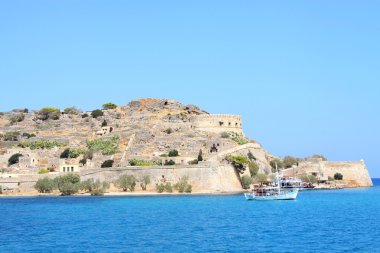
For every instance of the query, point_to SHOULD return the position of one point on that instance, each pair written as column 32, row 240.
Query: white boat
column 272, row 193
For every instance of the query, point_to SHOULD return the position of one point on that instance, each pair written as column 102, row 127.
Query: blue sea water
column 318, row 221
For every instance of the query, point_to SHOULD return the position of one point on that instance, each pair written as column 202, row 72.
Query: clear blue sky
column 305, row 75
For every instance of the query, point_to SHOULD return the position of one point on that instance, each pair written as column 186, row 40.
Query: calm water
column 319, row 221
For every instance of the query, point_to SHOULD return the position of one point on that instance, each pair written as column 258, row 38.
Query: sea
column 318, row 221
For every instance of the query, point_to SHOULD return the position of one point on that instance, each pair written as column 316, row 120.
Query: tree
column 97, row 113
column 65, row 154
column 261, row 178
column 289, row 161
column 170, row 162
column 49, row 113
column 94, row 187
column 107, row 164
column 309, row 178
column 200, row 156
column 126, row 182
column 71, row 110
column 15, row 158
column 239, row 162
column 251, row 156
column 182, row 185
column 246, row 182
column 68, row 184
column 277, row 162
column 319, row 156
column 144, row 182
column 338, row 176
column 45, row 185
column 108, row 106
column 253, row 168
column 104, row 123
column 173, row 153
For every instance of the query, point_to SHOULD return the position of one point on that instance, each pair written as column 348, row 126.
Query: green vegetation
column 250, row 156
column 83, row 161
column 160, row 188
column 246, row 181
column 137, row 162
column 104, row 123
column 107, row 164
column 168, row 187
column 239, row 162
column 72, row 153
column 319, row 156
column 193, row 162
column 41, row 144
column 106, row 146
column 278, row 162
column 173, row 153
column 68, row 184
column 309, row 178
column 72, row 110
column 225, row 135
column 96, row 113
column 144, row 182
column 330, row 178
column 49, row 113
column 10, row 136
column 289, row 161
column 200, row 156
column 238, row 138
column 183, row 186
column 253, row 168
column 28, row 135
column 108, row 106
column 15, row 158
column 94, row 187
column 338, row 176
column 170, row 162
column 45, row 185
column 260, row 178
column 168, row 131
column 16, row 118
column 84, row 115
column 126, row 182
column 43, row 171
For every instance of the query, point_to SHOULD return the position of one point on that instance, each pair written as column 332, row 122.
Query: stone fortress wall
column 217, row 123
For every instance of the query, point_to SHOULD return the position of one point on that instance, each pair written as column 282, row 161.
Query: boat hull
column 286, row 195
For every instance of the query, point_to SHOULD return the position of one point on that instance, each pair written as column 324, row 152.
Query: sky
column 304, row 75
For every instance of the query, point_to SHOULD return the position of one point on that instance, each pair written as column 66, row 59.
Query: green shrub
column 137, row 162
column 168, row 187
column 170, row 162
column 41, row 144
column 160, row 187
column 94, row 187
column 65, row 154
column 253, row 168
column 200, row 156
column 11, row 136
column 68, row 184
column 188, row 188
column 168, row 131
column 319, row 156
column 45, row 185
column 309, row 178
column 106, row 146
column 17, row 118
column 15, row 158
column 251, row 156
column 289, row 161
column 49, row 113
column 28, row 136
column 193, row 162
column 104, row 123
column 97, row 113
column 238, row 138
column 225, row 135
column 126, row 182
column 239, row 162
column 144, row 182
column 338, row 176
column 43, row 171
column 246, row 182
column 182, row 185
column 330, row 178
column 173, row 153
column 280, row 164
column 108, row 106
column 71, row 110
column 84, row 115
column 107, row 164
column 83, row 161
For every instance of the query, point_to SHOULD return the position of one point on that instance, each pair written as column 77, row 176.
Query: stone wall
column 217, row 123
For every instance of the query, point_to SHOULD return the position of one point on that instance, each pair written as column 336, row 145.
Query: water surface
column 318, row 221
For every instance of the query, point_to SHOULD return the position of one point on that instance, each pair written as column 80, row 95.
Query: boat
column 276, row 192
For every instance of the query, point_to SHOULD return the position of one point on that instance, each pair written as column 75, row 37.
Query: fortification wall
column 217, row 123
column 204, row 178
